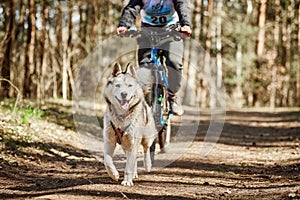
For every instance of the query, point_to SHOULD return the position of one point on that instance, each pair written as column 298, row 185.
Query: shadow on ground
column 48, row 172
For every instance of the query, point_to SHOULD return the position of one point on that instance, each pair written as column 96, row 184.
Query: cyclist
column 163, row 15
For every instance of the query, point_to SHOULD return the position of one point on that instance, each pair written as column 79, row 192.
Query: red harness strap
column 118, row 132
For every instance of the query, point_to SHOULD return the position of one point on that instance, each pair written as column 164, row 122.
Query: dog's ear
column 117, row 70
column 130, row 70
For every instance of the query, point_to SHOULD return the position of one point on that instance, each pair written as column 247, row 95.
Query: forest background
column 251, row 48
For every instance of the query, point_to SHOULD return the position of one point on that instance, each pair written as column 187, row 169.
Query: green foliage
column 11, row 136
column 30, row 114
column 24, row 114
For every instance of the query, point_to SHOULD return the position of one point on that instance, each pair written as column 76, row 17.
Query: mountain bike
column 158, row 96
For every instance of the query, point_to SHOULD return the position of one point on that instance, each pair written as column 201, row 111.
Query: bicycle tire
column 163, row 141
column 164, row 130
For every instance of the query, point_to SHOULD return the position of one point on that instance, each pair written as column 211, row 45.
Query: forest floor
column 256, row 157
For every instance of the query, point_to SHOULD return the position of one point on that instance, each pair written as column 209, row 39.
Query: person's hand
column 185, row 31
column 121, row 30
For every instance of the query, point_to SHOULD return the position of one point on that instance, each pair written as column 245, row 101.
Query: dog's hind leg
column 147, row 158
column 108, row 161
column 146, row 143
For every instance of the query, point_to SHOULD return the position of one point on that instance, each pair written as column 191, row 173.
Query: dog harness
column 119, row 133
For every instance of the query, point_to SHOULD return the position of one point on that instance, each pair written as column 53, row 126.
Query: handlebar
column 155, row 33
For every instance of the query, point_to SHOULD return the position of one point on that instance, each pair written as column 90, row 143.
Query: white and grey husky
column 127, row 121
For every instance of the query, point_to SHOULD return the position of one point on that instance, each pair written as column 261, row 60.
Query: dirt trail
column 256, row 157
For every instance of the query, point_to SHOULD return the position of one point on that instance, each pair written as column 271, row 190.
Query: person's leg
column 144, row 49
column 174, row 54
column 144, row 73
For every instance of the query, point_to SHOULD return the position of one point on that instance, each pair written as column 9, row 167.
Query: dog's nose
column 124, row 95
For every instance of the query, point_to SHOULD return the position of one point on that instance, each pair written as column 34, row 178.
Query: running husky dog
column 127, row 121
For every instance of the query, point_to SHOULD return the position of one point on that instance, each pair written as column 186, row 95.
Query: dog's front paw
column 114, row 174
column 127, row 183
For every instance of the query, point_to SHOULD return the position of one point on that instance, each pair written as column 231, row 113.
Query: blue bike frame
column 159, row 74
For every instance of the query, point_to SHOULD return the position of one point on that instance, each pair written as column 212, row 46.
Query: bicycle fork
column 160, row 104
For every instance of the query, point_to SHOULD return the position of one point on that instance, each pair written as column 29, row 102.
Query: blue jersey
column 159, row 12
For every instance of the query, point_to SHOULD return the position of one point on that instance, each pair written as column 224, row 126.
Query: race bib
column 159, row 12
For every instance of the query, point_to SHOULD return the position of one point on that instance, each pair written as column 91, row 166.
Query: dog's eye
column 130, row 85
column 117, row 85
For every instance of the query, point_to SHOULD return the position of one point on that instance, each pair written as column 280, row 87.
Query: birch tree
column 219, row 42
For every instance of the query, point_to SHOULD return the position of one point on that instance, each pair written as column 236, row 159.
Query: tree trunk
column 274, row 56
column 197, row 19
column 43, row 54
column 261, row 25
column 96, row 20
column 298, row 67
column 238, row 96
column 286, row 42
column 9, row 41
column 30, row 48
column 191, row 56
column 203, row 27
column 208, row 66
column 261, row 21
column 56, row 55
column 219, row 43
column 67, row 76
column 18, row 50
column 249, row 11
column 238, row 93
column 66, row 39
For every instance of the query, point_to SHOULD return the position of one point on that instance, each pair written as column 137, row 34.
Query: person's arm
column 130, row 12
column 183, row 10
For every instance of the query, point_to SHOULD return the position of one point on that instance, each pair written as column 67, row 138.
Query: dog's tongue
column 124, row 104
